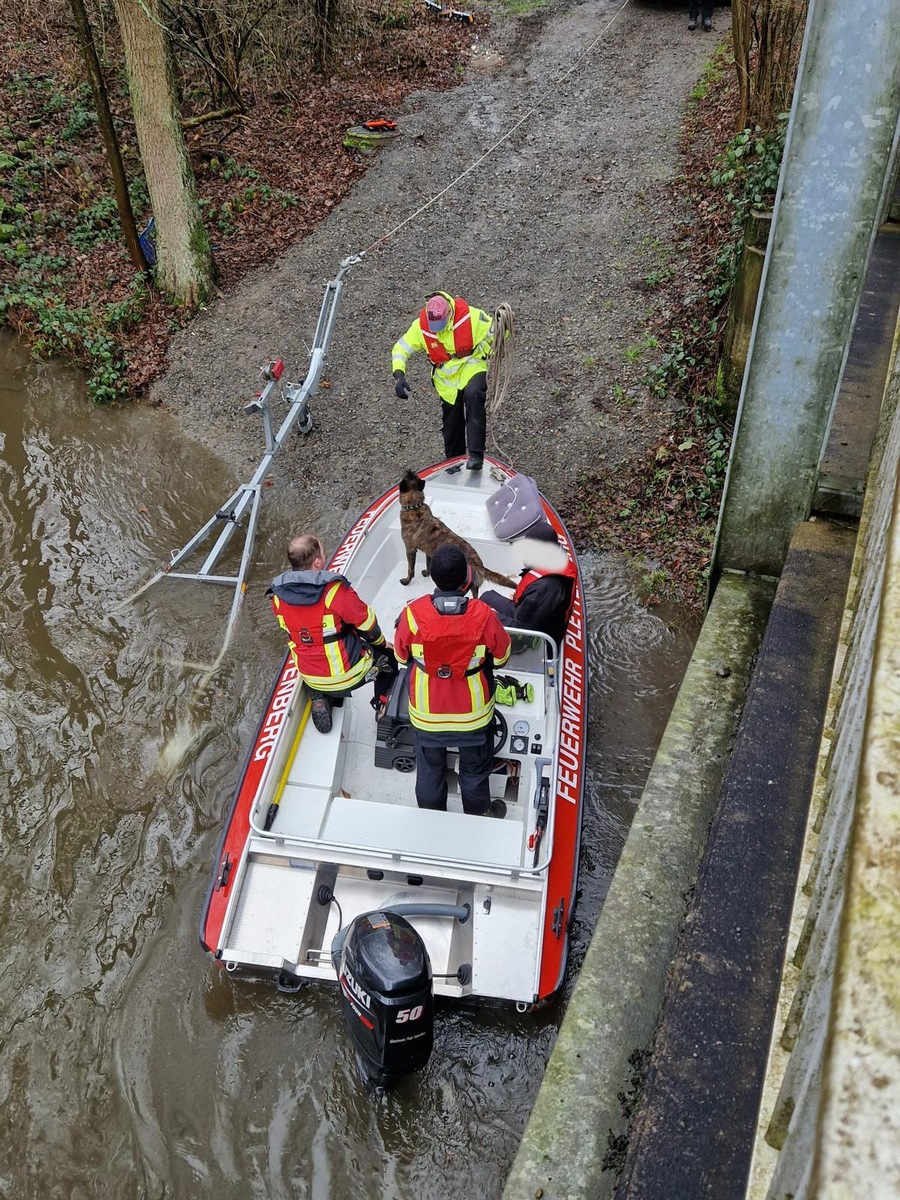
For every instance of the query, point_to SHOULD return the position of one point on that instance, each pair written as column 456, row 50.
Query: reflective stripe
column 368, row 622
column 451, row 369
column 334, row 654
column 411, row 621
column 453, row 722
column 480, row 701
column 420, row 702
column 339, row 683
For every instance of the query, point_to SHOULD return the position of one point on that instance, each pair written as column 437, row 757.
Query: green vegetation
column 655, row 279
column 635, row 353
column 747, row 175
column 522, row 7
column 712, row 73
column 37, row 242
column 86, row 334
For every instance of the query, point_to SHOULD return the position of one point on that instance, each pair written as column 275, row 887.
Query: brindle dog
column 423, row 531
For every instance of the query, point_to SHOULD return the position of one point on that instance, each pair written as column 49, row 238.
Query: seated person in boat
column 452, row 641
column 335, row 638
column 546, row 589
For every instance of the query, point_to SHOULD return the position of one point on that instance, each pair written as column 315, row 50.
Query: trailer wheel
column 404, row 763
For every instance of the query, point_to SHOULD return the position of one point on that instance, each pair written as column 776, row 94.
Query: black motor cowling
column 384, row 974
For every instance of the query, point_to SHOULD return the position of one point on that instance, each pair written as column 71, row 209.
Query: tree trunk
column 766, row 36
column 110, row 141
column 183, row 254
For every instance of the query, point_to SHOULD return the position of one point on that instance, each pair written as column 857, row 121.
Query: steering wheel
column 500, row 730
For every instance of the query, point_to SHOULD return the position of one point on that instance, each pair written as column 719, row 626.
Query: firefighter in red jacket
column 453, row 642
column 335, row 639
column 543, row 598
column 457, row 339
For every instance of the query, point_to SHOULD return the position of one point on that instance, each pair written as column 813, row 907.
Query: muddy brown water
column 131, row 1065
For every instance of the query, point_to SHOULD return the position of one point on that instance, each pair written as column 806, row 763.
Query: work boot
column 496, row 808
column 321, row 714
column 707, row 26
column 692, row 24
column 475, row 463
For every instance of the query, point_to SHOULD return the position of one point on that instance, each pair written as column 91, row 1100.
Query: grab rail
column 317, row 845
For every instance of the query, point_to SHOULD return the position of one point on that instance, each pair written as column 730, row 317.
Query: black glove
column 384, row 660
column 402, row 388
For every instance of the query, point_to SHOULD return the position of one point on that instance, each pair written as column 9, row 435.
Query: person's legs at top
column 431, row 773
column 693, row 13
column 706, row 12
column 453, row 427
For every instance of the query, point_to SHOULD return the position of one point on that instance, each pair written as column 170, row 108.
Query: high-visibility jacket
column 463, row 359
column 544, row 600
column 449, row 687
column 325, row 620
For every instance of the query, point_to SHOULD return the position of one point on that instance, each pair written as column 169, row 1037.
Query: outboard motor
column 384, row 974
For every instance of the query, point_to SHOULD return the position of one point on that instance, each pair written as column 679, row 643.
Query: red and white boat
column 324, row 834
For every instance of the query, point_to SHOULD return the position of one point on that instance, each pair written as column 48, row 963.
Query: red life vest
column 533, row 575
column 327, row 651
column 463, row 343
column 312, row 625
column 445, row 646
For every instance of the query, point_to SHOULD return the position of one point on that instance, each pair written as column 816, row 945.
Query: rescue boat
column 328, row 871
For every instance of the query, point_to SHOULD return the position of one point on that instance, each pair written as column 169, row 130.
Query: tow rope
column 500, row 363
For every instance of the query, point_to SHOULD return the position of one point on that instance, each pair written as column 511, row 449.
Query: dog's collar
column 410, row 507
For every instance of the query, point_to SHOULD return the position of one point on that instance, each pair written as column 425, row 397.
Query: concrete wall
column 830, row 1120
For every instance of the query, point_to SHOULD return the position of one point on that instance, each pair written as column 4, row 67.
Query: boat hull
column 345, row 829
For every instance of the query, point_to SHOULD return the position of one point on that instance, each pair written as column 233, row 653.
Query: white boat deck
column 333, row 778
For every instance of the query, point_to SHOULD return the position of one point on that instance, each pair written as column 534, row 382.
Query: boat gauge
column 520, row 727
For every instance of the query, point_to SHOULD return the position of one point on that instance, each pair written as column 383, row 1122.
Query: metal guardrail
column 831, row 1108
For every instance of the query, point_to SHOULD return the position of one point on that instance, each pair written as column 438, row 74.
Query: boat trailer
column 245, row 502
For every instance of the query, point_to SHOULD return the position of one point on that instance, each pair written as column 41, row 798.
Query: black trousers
column 464, row 424
column 476, row 757
column 700, row 8
column 503, row 606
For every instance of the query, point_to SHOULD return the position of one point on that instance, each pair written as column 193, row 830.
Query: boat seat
column 424, row 832
column 301, row 811
column 319, row 756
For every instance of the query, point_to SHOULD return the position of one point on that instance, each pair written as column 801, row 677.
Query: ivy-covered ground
column 266, row 178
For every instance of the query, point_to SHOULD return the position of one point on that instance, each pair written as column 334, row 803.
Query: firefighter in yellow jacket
column 457, row 339
column 335, row 640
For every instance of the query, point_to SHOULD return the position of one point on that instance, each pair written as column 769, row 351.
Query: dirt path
column 564, row 221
